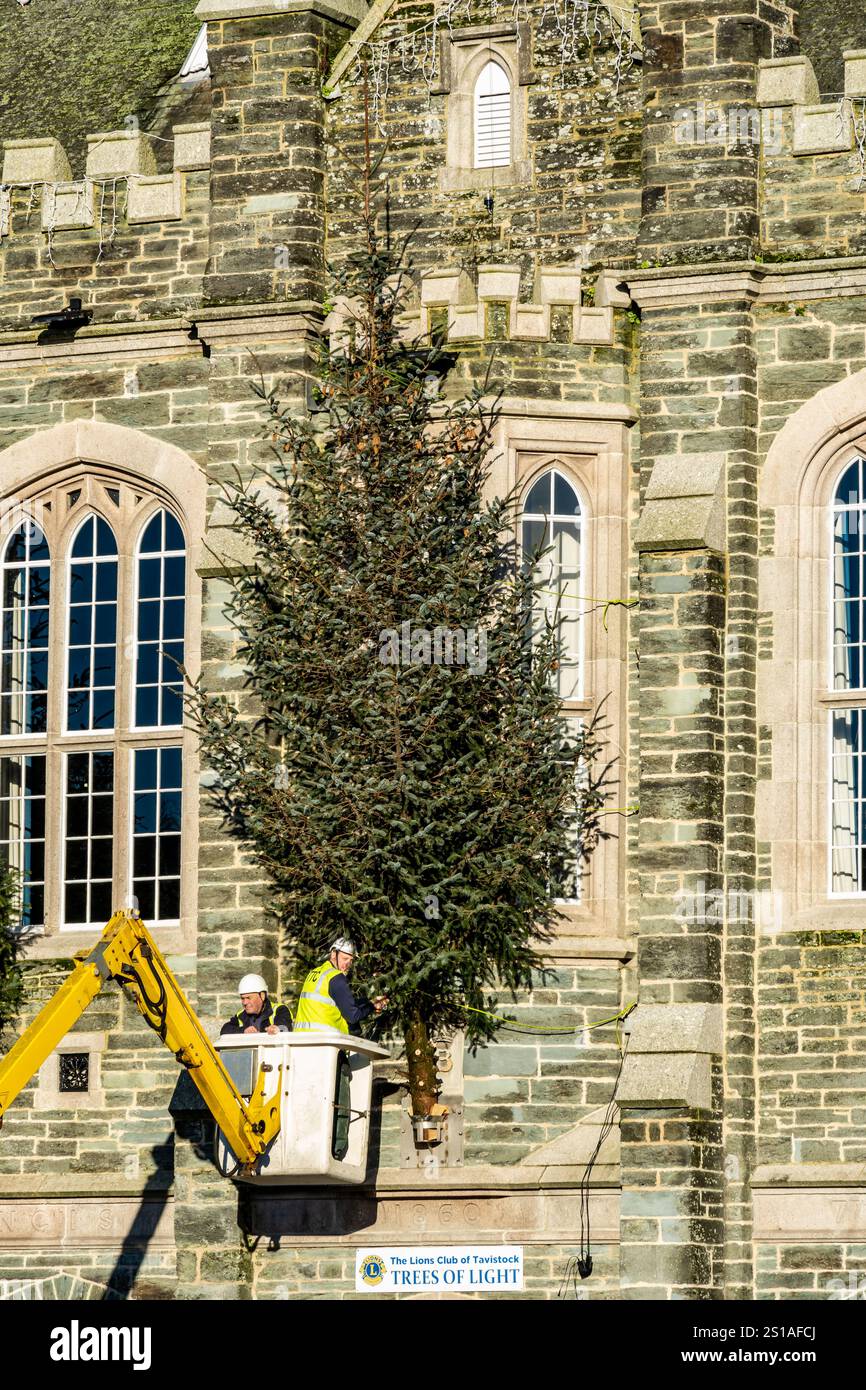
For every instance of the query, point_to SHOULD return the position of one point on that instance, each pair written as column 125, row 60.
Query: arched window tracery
column 91, row 713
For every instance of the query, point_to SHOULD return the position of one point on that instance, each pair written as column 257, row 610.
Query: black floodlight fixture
column 69, row 319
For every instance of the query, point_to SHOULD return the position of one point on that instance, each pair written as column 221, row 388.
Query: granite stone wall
column 576, row 194
column 736, row 1170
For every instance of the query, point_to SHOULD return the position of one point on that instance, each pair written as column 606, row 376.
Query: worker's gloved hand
column 380, row 1003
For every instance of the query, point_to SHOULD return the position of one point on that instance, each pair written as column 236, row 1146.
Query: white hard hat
column 252, row 984
column 347, row 947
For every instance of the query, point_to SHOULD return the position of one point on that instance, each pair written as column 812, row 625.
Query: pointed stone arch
column 83, row 461
column 810, row 439
column 26, row 466
column 794, row 698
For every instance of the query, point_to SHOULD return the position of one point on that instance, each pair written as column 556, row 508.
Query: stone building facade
column 664, row 241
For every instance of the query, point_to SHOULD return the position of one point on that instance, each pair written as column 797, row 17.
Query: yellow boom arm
column 127, row 953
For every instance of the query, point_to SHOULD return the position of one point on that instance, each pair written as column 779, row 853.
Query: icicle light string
column 77, row 220
column 858, row 121
column 856, row 108
column 574, row 23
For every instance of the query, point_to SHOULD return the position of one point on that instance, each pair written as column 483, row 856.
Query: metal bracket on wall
column 446, row 1154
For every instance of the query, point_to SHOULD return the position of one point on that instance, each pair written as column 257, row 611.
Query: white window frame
column 28, row 564
column 499, row 136
column 93, row 925
column 797, row 489
column 137, row 557
column 160, row 747
column 62, row 521
column 95, row 560
column 582, row 520
column 573, row 706
column 845, row 700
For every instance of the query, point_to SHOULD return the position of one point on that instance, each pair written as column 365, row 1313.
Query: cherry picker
column 276, row 1100
column 128, row 954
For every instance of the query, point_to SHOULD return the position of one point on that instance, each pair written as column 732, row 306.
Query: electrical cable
column 582, row 1263
column 513, row 1026
column 584, row 1259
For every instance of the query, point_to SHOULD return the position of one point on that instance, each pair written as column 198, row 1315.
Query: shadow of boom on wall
column 124, row 1282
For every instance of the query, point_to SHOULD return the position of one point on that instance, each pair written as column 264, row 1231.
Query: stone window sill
column 482, row 180
column 64, row 945
column 793, row 1175
column 841, row 914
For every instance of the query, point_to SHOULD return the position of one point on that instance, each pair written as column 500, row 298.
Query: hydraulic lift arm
column 128, row 954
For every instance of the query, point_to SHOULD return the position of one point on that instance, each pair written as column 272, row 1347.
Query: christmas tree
column 12, row 943
column 411, row 782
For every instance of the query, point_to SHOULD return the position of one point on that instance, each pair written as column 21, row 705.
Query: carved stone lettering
column 84, row 1222
column 32, row 1223
column 514, row 1215
column 809, row 1214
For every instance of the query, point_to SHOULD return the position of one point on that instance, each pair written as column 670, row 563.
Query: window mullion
column 122, row 823
column 54, row 830
column 124, row 717
column 57, row 648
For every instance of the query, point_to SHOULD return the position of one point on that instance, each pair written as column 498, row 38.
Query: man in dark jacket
column 257, row 1014
column 327, row 1003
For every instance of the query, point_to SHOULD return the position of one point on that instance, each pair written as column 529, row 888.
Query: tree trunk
column 421, row 1057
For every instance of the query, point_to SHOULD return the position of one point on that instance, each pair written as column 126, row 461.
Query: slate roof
column 826, row 28
column 71, row 68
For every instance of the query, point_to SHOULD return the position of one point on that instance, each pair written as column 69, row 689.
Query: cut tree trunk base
column 421, row 1060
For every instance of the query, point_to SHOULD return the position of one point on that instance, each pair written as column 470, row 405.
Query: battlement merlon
column 818, row 128
column 111, row 156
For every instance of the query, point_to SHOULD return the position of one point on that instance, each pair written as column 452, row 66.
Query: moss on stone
column 827, row 27
column 72, row 68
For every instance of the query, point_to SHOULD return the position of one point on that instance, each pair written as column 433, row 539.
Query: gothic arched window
column 848, row 738
column 551, row 541
column 492, row 116
column 24, row 708
column 160, row 614
column 551, row 537
column 91, row 651
column 26, row 596
column 91, row 712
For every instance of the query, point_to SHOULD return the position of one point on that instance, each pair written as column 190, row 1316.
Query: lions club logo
column 373, row 1269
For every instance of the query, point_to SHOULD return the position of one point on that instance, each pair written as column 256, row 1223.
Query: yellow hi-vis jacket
column 316, row 1008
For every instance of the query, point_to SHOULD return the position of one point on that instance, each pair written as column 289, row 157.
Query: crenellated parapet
column 817, row 127
column 42, row 168
column 491, row 308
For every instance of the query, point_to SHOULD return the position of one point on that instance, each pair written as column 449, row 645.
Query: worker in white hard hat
column 257, row 1013
column 327, row 1003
